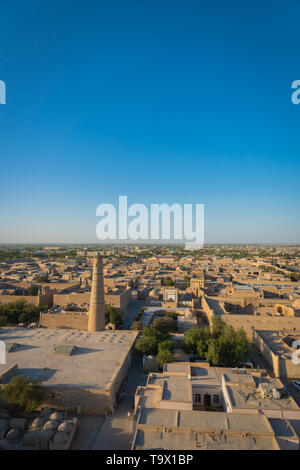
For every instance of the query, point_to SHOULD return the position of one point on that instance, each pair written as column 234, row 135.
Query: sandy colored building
column 78, row 368
column 277, row 348
column 173, row 411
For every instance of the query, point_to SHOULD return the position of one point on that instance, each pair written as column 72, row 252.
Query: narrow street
column 116, row 431
column 131, row 312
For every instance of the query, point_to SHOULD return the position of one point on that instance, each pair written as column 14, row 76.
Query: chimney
column 96, row 321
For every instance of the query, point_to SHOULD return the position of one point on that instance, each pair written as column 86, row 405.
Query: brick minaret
column 96, row 313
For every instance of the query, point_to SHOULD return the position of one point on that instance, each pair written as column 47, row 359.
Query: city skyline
column 166, row 103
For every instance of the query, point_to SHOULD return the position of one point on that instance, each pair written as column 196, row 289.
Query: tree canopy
column 20, row 311
column 24, row 392
column 221, row 345
column 113, row 315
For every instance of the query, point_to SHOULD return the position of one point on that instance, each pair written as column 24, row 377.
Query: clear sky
column 162, row 101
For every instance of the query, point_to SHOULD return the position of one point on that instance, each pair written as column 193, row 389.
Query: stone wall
column 64, row 320
column 43, row 299
column 93, row 402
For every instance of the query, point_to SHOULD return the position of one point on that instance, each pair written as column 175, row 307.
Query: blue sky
column 162, row 101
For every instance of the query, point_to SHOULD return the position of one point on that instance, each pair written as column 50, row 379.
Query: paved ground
column 292, row 390
column 131, row 312
column 87, row 432
column 116, row 433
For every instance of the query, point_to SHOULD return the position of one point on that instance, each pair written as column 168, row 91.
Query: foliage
column 147, row 345
column 33, row 290
column 43, row 278
column 20, row 311
column 24, row 392
column 10, row 254
column 113, row 315
column 148, row 342
column 166, row 344
column 165, row 325
column 171, row 314
column 163, row 356
column 221, row 345
column 168, row 281
column 137, row 325
column 193, row 336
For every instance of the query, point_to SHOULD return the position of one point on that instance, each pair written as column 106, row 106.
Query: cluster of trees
column 33, row 290
column 156, row 340
column 220, row 345
column 113, row 315
column 295, row 277
column 62, row 254
column 43, row 278
column 234, row 254
column 271, row 269
column 157, row 344
column 164, row 325
column 9, row 254
column 168, row 281
column 20, row 312
column 25, row 393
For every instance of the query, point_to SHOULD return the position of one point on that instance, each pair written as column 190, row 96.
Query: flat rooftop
column 209, row 421
column 276, row 342
column 176, row 388
column 146, row 439
column 92, row 364
column 246, row 397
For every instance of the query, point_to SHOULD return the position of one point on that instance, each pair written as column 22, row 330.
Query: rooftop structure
column 168, row 415
column 77, row 367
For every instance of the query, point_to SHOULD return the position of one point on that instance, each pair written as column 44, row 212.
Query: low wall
column 64, row 320
column 43, row 299
column 115, row 300
column 282, row 367
column 93, row 402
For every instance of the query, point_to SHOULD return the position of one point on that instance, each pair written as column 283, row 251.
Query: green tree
column 171, row 314
column 147, row 345
column 43, row 278
column 137, row 325
column 165, row 325
column 113, row 315
column 21, row 311
column 191, row 338
column 24, row 392
column 217, row 326
column 164, row 356
column 221, row 345
column 33, row 290
column 167, row 344
column 168, row 281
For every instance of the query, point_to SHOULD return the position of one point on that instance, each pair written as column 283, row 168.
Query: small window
column 216, row 399
column 197, row 398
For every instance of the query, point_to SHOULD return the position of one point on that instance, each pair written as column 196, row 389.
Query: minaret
column 96, row 320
